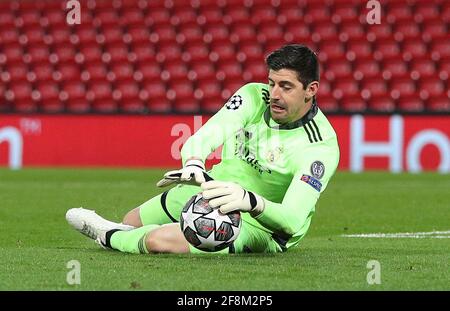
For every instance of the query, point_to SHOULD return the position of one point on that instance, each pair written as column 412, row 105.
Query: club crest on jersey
column 234, row 102
column 317, row 169
column 312, row 182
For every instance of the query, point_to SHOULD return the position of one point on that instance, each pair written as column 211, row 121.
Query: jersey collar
column 295, row 124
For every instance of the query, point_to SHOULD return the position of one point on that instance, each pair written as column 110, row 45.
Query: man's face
column 288, row 100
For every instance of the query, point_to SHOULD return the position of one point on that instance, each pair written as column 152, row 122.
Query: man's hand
column 229, row 197
column 193, row 173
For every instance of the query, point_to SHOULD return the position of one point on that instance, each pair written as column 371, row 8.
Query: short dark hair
column 297, row 57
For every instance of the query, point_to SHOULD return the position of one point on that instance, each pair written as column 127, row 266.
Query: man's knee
column 167, row 239
column 133, row 218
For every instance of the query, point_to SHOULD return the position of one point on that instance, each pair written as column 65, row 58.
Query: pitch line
column 413, row 235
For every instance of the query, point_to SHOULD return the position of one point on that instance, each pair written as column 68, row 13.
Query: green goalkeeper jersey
column 288, row 165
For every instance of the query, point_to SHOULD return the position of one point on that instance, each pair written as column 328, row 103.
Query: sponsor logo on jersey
column 234, row 102
column 317, row 169
column 312, row 182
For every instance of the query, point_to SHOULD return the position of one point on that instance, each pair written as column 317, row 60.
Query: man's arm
column 288, row 217
column 238, row 110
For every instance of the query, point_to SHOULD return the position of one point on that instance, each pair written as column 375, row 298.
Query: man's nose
column 275, row 93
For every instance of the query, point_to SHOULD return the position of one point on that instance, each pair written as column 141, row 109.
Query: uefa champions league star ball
column 207, row 228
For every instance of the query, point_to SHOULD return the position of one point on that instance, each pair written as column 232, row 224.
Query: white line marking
column 414, row 235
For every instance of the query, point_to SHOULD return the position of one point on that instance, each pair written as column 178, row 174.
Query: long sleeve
column 288, row 217
column 235, row 114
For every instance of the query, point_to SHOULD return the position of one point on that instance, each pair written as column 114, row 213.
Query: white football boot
column 92, row 225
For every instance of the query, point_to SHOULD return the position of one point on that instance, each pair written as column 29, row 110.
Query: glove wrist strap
column 195, row 162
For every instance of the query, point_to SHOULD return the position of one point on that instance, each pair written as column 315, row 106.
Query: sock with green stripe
column 132, row 241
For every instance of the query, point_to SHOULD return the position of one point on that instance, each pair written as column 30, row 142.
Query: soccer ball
column 207, row 228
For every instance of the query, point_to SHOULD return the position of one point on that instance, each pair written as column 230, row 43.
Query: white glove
column 229, row 197
column 193, row 173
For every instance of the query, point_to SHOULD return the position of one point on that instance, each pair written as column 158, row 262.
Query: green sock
column 132, row 241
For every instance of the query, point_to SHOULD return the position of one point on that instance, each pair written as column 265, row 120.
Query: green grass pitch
column 36, row 243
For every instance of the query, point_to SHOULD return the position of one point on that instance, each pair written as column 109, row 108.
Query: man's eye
column 286, row 88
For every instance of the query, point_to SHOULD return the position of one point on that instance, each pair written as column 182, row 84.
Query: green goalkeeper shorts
column 166, row 208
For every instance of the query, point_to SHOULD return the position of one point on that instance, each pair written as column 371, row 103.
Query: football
column 207, row 228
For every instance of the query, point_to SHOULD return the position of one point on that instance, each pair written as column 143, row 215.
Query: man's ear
column 311, row 90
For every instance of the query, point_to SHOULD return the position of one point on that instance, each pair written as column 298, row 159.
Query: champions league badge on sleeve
column 234, row 102
column 317, row 169
column 312, row 182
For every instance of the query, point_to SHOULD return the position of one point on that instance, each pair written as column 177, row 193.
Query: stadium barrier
column 395, row 143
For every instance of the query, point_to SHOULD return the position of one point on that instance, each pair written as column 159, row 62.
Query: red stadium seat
column 331, row 50
column 438, row 104
column 353, row 104
column 13, row 53
column 217, row 32
column 94, row 72
column 107, row 17
column 100, row 96
column 338, row 69
column 65, row 53
column 375, row 86
column 395, row 68
column 91, row 53
column 359, row 49
column 177, row 70
column 15, row 72
column 427, row 11
column 224, row 52
column 345, row 12
column 316, row 12
column 43, row 71
column 212, row 104
column 211, row 15
column 251, row 51
column 49, row 97
column 382, row 103
column 379, row 32
column 345, row 87
column 435, row 29
column 351, row 31
column 132, row 17
column 237, row 14
column 127, row 94
column 257, row 71
column 324, row 31
column 431, row 87
column 327, row 103
column 406, row 30
column 423, row 68
column 440, row 49
column 192, row 32
column 118, row 52
column 144, row 52
column 22, row 96
column 39, row 53
column 138, row 34
column 74, row 96
column 209, row 88
column 171, row 51
column 269, row 32
column 231, row 70
column 61, row 35
column 154, row 90
column 411, row 103
column 203, row 70
column 415, row 48
column 387, row 50
column 122, row 71
column 402, row 87
column 9, row 34
column 264, row 15
column 232, row 86
column 398, row 12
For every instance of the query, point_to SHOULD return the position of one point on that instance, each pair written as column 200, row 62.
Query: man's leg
column 166, row 238
column 162, row 209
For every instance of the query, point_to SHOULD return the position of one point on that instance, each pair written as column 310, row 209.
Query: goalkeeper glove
column 193, row 173
column 229, row 196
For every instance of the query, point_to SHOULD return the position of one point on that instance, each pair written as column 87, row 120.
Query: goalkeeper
column 279, row 153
